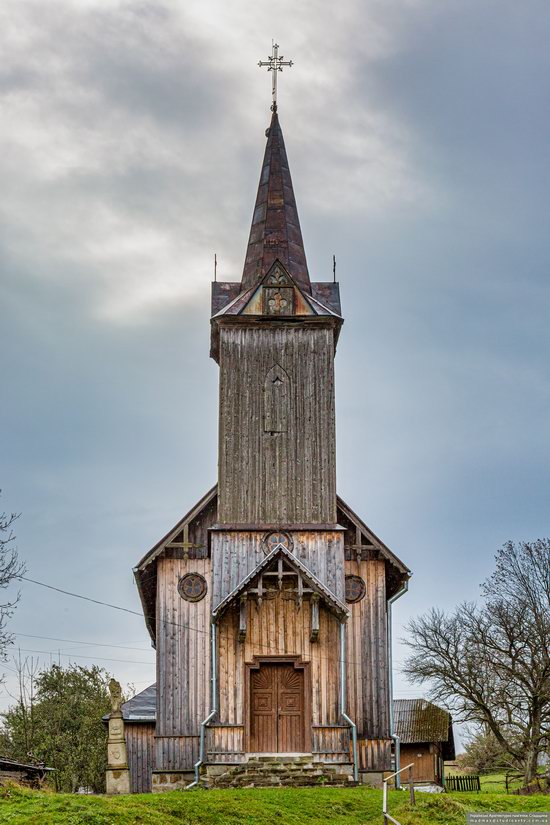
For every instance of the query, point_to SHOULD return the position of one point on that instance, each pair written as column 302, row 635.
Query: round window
column 355, row 589
column 272, row 540
column 192, row 587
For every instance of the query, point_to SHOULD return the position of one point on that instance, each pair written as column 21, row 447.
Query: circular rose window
column 355, row 589
column 192, row 587
column 272, row 540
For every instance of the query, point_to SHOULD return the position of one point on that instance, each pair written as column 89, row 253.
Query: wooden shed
column 426, row 736
column 30, row 775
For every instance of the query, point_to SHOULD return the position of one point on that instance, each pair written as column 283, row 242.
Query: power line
column 80, row 642
column 94, row 658
column 142, row 615
column 78, row 596
column 113, row 606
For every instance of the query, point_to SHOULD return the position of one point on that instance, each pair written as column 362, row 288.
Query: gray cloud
column 130, row 150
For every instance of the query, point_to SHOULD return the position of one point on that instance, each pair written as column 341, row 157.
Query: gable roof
column 373, row 538
column 326, row 293
column 145, row 573
column 275, row 231
column 319, row 303
column 249, row 301
column 417, row 720
column 205, row 512
column 195, row 511
column 332, row 601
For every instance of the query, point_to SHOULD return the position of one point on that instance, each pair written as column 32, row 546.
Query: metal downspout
column 213, row 701
column 343, row 713
column 393, row 735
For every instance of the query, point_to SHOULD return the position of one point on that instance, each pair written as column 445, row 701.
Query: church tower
column 268, row 602
column 275, row 343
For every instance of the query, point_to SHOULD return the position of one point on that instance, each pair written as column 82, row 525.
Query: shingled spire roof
column 275, row 232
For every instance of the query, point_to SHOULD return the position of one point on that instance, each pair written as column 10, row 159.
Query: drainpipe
column 343, row 713
column 393, row 735
column 213, row 701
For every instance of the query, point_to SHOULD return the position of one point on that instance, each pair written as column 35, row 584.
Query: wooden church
column 267, row 603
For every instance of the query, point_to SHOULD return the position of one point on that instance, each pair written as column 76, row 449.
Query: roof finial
column 274, row 64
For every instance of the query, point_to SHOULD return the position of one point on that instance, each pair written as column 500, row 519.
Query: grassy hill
column 286, row 806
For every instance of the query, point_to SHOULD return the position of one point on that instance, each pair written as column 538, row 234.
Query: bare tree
column 11, row 567
column 21, row 741
column 490, row 664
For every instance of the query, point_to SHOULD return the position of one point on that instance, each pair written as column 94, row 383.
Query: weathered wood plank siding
column 367, row 672
column 176, row 753
column 235, row 554
column 225, row 743
column 425, row 757
column 277, row 628
column 332, row 744
column 183, row 657
column 140, row 744
column 374, row 754
column 268, row 477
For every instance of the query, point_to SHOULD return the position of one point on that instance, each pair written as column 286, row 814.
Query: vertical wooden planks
column 288, row 476
column 368, row 683
column 140, row 739
column 278, row 628
column 236, row 553
column 183, row 653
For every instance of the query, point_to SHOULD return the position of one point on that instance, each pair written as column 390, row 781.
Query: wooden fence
column 462, row 783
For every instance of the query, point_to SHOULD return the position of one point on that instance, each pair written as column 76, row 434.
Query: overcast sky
column 418, row 136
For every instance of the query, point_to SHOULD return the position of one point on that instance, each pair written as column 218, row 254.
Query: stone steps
column 273, row 772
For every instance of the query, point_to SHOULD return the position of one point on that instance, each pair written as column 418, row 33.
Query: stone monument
column 118, row 774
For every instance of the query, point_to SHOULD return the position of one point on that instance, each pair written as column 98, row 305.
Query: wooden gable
column 276, row 295
column 190, row 538
column 282, row 554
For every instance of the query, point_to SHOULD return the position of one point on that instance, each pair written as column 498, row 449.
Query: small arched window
column 276, row 399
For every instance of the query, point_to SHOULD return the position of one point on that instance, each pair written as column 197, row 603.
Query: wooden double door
column 277, row 709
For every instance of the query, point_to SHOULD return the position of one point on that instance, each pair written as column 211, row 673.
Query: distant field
column 491, row 782
column 287, row 806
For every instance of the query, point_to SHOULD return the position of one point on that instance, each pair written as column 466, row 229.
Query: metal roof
column 275, row 232
column 140, row 708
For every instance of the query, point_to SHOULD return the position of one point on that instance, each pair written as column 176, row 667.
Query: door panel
column 263, row 710
column 277, row 709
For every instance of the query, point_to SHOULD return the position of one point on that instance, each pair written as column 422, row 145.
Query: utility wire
column 80, row 642
column 152, row 618
column 74, row 656
column 78, row 596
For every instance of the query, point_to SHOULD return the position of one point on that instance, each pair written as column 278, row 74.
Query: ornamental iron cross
column 274, row 64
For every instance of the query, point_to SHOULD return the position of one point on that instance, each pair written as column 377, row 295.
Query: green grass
column 285, row 806
column 493, row 783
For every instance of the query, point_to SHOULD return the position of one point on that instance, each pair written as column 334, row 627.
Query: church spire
column 275, row 232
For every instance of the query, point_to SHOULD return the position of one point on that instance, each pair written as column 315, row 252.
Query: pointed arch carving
column 276, row 400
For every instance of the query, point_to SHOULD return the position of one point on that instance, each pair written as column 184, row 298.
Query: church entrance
column 277, row 709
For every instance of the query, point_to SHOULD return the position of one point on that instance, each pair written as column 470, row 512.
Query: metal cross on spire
column 274, row 64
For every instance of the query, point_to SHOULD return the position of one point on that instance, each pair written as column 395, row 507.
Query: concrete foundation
column 373, row 779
